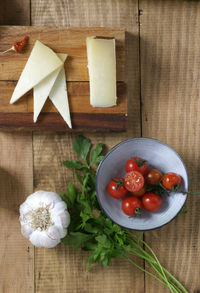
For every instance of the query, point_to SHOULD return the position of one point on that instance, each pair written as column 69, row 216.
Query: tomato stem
column 137, row 212
column 119, row 183
column 139, row 162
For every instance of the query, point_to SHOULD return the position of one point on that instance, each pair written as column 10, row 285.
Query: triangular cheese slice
column 59, row 97
column 42, row 62
column 41, row 90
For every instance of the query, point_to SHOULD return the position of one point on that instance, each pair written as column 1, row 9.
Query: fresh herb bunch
column 90, row 228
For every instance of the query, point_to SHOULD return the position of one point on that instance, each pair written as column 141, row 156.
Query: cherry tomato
column 116, row 188
column 137, row 164
column 151, row 201
column 140, row 192
column 171, row 179
column 154, row 175
column 133, row 181
column 131, row 206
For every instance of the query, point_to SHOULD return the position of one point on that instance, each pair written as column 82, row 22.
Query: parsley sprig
column 90, row 228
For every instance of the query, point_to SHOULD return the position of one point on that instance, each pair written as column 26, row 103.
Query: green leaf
column 91, row 228
column 63, row 197
column 121, row 251
column 76, row 239
column 103, row 254
column 103, row 240
column 106, row 261
column 73, row 165
column 95, row 157
column 100, row 221
column 84, row 217
column 71, row 194
column 79, row 177
column 82, row 146
column 89, row 245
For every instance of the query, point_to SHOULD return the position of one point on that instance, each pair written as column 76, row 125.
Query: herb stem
column 163, row 269
column 174, row 288
column 175, row 280
column 142, row 269
column 153, row 259
column 154, row 255
column 156, row 268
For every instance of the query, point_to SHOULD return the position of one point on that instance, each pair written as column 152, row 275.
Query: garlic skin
column 44, row 219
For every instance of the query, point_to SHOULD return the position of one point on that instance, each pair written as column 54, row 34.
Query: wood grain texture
column 71, row 41
column 19, row 116
column 170, row 74
column 61, row 269
column 16, row 181
column 15, row 12
column 78, row 94
column 52, row 121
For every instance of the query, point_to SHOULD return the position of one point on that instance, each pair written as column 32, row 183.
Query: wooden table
column 163, row 77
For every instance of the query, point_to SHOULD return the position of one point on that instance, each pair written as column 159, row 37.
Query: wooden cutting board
column 72, row 42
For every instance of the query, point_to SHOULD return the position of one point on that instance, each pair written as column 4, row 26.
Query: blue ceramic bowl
column 158, row 155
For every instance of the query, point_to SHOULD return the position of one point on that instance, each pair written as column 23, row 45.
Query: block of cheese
column 42, row 62
column 59, row 97
column 102, row 71
column 41, row 90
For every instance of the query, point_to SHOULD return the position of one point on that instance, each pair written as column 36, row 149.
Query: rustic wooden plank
column 62, row 269
column 170, row 95
column 82, row 113
column 71, row 41
column 15, row 12
column 79, row 100
column 7, row 88
column 16, row 181
column 53, row 121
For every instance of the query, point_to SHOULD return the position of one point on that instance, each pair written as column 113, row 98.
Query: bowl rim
column 113, row 149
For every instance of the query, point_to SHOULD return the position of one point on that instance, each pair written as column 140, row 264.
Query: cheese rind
column 59, row 97
column 41, row 90
column 42, row 62
column 102, row 71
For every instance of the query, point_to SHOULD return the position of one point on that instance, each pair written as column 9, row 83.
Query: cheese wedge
column 59, row 97
column 42, row 62
column 41, row 90
column 102, row 71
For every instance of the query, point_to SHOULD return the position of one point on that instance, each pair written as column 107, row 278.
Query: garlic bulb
column 44, row 219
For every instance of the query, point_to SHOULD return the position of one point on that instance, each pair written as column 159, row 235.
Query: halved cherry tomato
column 133, row 181
column 131, row 206
column 137, row 164
column 151, row 201
column 140, row 192
column 153, row 176
column 116, row 188
column 171, row 179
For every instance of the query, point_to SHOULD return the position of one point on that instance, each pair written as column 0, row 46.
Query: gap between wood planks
column 140, row 13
